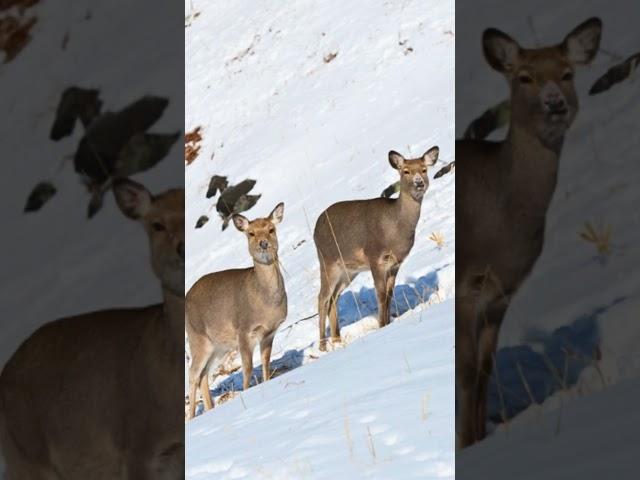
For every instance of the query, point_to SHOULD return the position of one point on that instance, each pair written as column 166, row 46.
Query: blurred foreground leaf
column 615, row 74
column 491, row 120
column 40, row 195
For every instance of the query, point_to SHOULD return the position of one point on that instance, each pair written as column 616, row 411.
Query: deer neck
column 531, row 171
column 173, row 313
column 407, row 210
column 269, row 279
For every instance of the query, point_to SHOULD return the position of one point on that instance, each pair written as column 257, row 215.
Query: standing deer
column 95, row 396
column 503, row 191
column 234, row 310
column 376, row 235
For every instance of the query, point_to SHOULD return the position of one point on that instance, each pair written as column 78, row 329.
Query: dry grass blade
column 438, row 238
column 328, row 58
column 425, row 411
column 599, row 236
column 372, row 448
column 347, row 433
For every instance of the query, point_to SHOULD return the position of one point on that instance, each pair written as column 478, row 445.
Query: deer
column 503, row 192
column 95, row 395
column 234, row 310
column 369, row 235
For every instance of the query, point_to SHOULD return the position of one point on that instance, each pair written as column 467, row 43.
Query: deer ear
column 500, row 50
column 277, row 214
column 396, row 160
column 133, row 198
column 581, row 45
column 431, row 156
column 240, row 222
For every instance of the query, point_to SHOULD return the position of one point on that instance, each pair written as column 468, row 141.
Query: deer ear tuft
column 277, row 214
column 431, row 156
column 240, row 222
column 500, row 50
column 133, row 199
column 396, row 160
column 582, row 44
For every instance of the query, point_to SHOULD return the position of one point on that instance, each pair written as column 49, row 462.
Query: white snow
column 312, row 133
column 360, row 412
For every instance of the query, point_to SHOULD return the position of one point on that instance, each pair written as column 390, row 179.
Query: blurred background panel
column 567, row 359
column 57, row 260
column 90, row 91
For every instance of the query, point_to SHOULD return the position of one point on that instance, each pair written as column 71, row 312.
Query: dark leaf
column 40, row 195
column 390, row 190
column 615, row 74
column 75, row 103
column 491, row 120
column 227, row 202
column 201, row 221
column 444, row 170
column 108, row 134
column 142, row 152
column 143, row 113
column 95, row 203
column 217, row 183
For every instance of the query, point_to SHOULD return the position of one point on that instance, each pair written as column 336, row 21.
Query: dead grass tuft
column 599, row 236
column 438, row 238
column 192, row 145
column 329, row 57
column 15, row 34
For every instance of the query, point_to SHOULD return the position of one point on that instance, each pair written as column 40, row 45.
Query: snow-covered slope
column 587, row 437
column 312, row 132
column 361, row 412
column 597, row 184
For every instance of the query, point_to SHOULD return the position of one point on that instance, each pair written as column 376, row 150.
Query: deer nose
column 555, row 104
column 553, row 98
column 418, row 182
column 264, row 244
column 180, row 250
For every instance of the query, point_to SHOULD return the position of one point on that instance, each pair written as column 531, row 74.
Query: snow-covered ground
column 312, row 132
column 361, row 412
column 570, row 282
column 55, row 261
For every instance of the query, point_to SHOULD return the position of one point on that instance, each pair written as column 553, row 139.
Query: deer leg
column 380, row 274
column 390, row 284
column 328, row 281
column 334, row 321
column 265, row 351
column 490, row 322
column 466, row 370
column 201, row 351
column 205, row 391
column 246, row 353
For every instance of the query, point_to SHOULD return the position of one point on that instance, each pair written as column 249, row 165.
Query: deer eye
column 272, row 230
column 405, row 171
column 424, row 170
column 158, row 227
column 525, row 78
column 251, row 234
column 568, row 76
